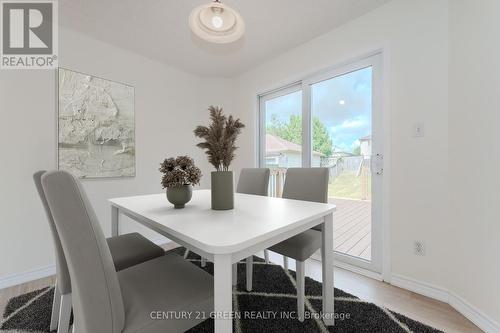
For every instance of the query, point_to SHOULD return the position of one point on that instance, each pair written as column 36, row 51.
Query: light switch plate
column 418, row 130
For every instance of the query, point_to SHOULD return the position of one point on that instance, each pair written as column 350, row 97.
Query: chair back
column 62, row 273
column 96, row 295
column 308, row 184
column 253, row 181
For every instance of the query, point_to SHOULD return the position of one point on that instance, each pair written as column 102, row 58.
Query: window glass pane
column 341, row 117
column 341, row 128
column 283, row 121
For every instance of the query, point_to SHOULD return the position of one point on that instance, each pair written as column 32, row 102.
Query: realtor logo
column 29, row 34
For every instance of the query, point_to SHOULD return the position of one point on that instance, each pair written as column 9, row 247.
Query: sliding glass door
column 334, row 120
column 341, row 110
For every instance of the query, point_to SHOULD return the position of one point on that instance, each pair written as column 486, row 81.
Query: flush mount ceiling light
column 216, row 23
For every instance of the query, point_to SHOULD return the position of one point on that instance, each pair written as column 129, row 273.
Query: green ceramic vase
column 179, row 196
column 222, row 190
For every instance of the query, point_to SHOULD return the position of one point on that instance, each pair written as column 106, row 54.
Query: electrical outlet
column 419, row 248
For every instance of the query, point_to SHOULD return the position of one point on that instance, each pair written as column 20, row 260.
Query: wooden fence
column 336, row 165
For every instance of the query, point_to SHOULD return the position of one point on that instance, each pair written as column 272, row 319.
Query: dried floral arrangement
column 220, row 138
column 179, row 171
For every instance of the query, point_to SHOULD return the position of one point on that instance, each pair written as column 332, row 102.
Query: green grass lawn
column 347, row 185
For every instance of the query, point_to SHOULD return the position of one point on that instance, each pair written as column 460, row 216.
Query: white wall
column 414, row 36
column 169, row 104
column 441, row 68
column 474, row 155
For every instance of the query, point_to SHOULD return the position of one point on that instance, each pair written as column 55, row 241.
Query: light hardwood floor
column 421, row 308
column 426, row 310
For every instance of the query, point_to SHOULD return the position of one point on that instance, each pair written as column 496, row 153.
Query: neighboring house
column 366, row 146
column 340, row 154
column 283, row 153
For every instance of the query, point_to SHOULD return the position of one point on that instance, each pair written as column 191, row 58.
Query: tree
column 357, row 151
column 322, row 142
column 292, row 131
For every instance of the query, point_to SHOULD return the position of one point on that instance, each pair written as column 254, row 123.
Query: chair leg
column 74, row 329
column 285, row 263
column 300, row 289
column 249, row 268
column 235, row 274
column 55, row 308
column 64, row 314
column 186, row 254
column 203, row 262
column 266, row 255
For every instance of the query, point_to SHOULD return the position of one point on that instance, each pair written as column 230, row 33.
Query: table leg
column 115, row 218
column 223, row 299
column 249, row 271
column 327, row 262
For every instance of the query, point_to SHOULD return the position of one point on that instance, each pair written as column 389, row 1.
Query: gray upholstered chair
column 253, row 181
column 308, row 184
column 106, row 301
column 256, row 182
column 126, row 250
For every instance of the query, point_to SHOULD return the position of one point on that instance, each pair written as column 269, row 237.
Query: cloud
column 350, row 124
column 356, row 123
column 342, row 147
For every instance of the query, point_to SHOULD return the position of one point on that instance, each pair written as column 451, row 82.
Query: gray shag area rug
column 269, row 307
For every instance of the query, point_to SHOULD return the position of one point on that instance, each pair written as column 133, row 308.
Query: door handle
column 377, row 164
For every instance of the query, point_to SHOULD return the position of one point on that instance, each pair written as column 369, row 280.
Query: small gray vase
column 222, row 190
column 179, row 196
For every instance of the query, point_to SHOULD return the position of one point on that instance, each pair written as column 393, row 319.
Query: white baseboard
column 358, row 270
column 421, row 288
column 481, row 320
column 35, row 274
column 40, row 273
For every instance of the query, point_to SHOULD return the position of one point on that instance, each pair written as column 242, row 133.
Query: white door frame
column 380, row 128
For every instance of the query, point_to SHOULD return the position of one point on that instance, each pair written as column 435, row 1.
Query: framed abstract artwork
column 96, row 126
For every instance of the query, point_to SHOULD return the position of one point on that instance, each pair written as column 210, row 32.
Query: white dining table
column 226, row 237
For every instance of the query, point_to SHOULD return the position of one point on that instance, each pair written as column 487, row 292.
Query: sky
column 343, row 104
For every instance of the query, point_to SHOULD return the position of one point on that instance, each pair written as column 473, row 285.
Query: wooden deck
column 352, row 227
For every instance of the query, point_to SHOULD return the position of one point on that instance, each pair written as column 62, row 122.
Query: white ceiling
column 158, row 29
